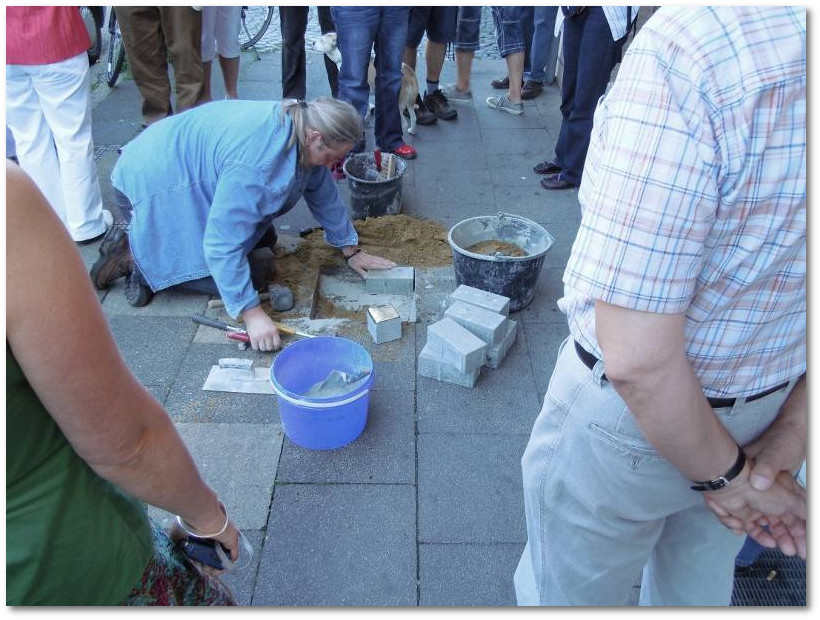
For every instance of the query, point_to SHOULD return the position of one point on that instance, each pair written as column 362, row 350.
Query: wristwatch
column 355, row 251
column 725, row 479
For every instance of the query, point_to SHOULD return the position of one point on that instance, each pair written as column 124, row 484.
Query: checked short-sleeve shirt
column 694, row 193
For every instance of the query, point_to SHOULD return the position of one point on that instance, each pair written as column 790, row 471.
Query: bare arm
column 645, row 359
column 57, row 331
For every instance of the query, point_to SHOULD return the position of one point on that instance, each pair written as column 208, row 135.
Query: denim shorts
column 467, row 28
column 438, row 21
column 509, row 29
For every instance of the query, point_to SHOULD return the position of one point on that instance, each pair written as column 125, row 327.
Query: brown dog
column 407, row 95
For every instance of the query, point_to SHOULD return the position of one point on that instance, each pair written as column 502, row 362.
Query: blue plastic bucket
column 321, row 423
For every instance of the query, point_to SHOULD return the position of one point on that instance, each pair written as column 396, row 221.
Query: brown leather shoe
column 556, row 181
column 115, row 259
column 531, row 89
column 546, row 167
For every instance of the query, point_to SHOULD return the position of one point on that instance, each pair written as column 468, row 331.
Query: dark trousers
column 293, row 21
column 590, row 54
column 153, row 33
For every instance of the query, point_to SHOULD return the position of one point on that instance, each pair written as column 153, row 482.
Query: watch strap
column 725, row 479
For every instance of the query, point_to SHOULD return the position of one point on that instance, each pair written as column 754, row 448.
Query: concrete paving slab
column 543, row 342
column 239, row 462
column 167, row 303
column 468, row 575
column 394, row 362
column 385, row 453
column 434, row 289
column 339, row 545
column 549, row 288
column 152, row 347
column 450, row 343
column 432, row 366
column 454, row 155
column 470, row 488
column 516, row 141
column 187, row 402
column 487, row 325
column 497, row 352
column 443, row 187
column 399, row 280
column 450, row 409
column 242, row 580
column 485, row 300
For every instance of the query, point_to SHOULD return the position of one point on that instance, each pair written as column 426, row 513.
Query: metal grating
column 773, row 580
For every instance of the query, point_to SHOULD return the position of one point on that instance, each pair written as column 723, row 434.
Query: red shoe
column 405, row 151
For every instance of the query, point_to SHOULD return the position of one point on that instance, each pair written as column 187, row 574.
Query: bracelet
column 725, row 479
column 188, row 529
column 356, row 251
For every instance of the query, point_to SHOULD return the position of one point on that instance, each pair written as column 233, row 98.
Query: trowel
column 238, row 375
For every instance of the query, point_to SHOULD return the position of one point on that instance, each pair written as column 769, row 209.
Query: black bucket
column 370, row 196
column 510, row 276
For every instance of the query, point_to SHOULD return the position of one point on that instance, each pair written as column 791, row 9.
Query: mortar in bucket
column 499, row 273
column 371, row 194
column 322, row 423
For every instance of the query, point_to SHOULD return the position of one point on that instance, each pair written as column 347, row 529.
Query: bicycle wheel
column 116, row 50
column 255, row 22
column 93, row 28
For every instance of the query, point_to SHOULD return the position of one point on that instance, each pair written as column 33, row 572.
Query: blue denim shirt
column 207, row 183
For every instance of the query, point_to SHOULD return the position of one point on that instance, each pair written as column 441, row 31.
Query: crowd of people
column 675, row 420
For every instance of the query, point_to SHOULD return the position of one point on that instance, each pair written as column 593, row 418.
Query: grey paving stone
column 399, row 280
column 152, row 347
column 394, row 362
column 483, row 299
column 452, row 344
column 468, row 575
column 239, row 462
column 490, row 326
column 454, row 155
column 470, row 488
column 170, row 303
column 242, row 580
column 188, row 402
column 543, row 342
column 524, row 143
column 339, row 545
column 449, row 409
column 445, row 187
column 549, row 288
column 431, row 365
column 385, row 452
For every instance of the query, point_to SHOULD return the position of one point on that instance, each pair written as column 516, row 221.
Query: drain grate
column 787, row 587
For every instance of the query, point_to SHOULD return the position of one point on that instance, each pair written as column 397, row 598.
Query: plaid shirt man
column 675, row 222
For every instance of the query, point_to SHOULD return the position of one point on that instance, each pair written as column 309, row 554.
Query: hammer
column 280, row 297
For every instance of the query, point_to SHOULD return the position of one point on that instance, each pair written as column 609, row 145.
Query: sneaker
column 437, row 103
column 423, row 115
column 108, row 222
column 502, row 103
column 503, row 83
column 531, row 89
column 456, row 96
column 137, row 294
column 405, row 151
column 115, row 259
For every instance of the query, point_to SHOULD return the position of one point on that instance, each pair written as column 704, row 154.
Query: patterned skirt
column 172, row 579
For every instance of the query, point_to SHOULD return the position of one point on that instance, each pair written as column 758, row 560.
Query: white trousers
column 220, row 31
column 48, row 110
column 602, row 505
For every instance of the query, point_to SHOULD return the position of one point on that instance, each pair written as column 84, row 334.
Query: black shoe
column 423, row 115
column 531, row 89
column 137, row 294
column 115, row 258
column 556, row 181
column 546, row 167
column 503, row 83
column 438, row 104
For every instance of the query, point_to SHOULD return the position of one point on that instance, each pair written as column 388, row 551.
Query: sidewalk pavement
column 426, row 507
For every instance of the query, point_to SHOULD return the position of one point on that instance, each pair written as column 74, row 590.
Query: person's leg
column 510, row 39
column 418, row 21
column 597, row 57
column 571, row 47
column 526, row 14
column 293, row 23
column 468, row 24
column 331, row 68
column 227, row 45
column 542, row 38
column 33, row 140
column 356, row 31
column 64, row 92
column 182, row 28
column 147, row 59
column 208, row 48
column 390, row 43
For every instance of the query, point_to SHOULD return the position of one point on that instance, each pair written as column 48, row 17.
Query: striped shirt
column 694, row 193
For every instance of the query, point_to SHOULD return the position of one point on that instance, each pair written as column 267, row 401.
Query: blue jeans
column 467, row 28
column 590, row 55
column 360, row 29
column 541, row 51
column 509, row 29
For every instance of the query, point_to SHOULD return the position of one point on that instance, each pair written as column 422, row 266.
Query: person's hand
column 229, row 540
column 362, row 262
column 261, row 329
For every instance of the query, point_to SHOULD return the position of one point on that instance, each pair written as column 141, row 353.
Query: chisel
column 239, row 333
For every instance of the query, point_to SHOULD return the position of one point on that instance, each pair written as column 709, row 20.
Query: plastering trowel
column 238, row 375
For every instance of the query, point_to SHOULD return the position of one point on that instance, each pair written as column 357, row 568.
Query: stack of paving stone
column 475, row 331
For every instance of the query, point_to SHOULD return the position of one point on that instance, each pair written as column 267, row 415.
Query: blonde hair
column 337, row 121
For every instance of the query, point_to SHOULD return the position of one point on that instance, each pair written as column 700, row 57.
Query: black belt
column 590, row 360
